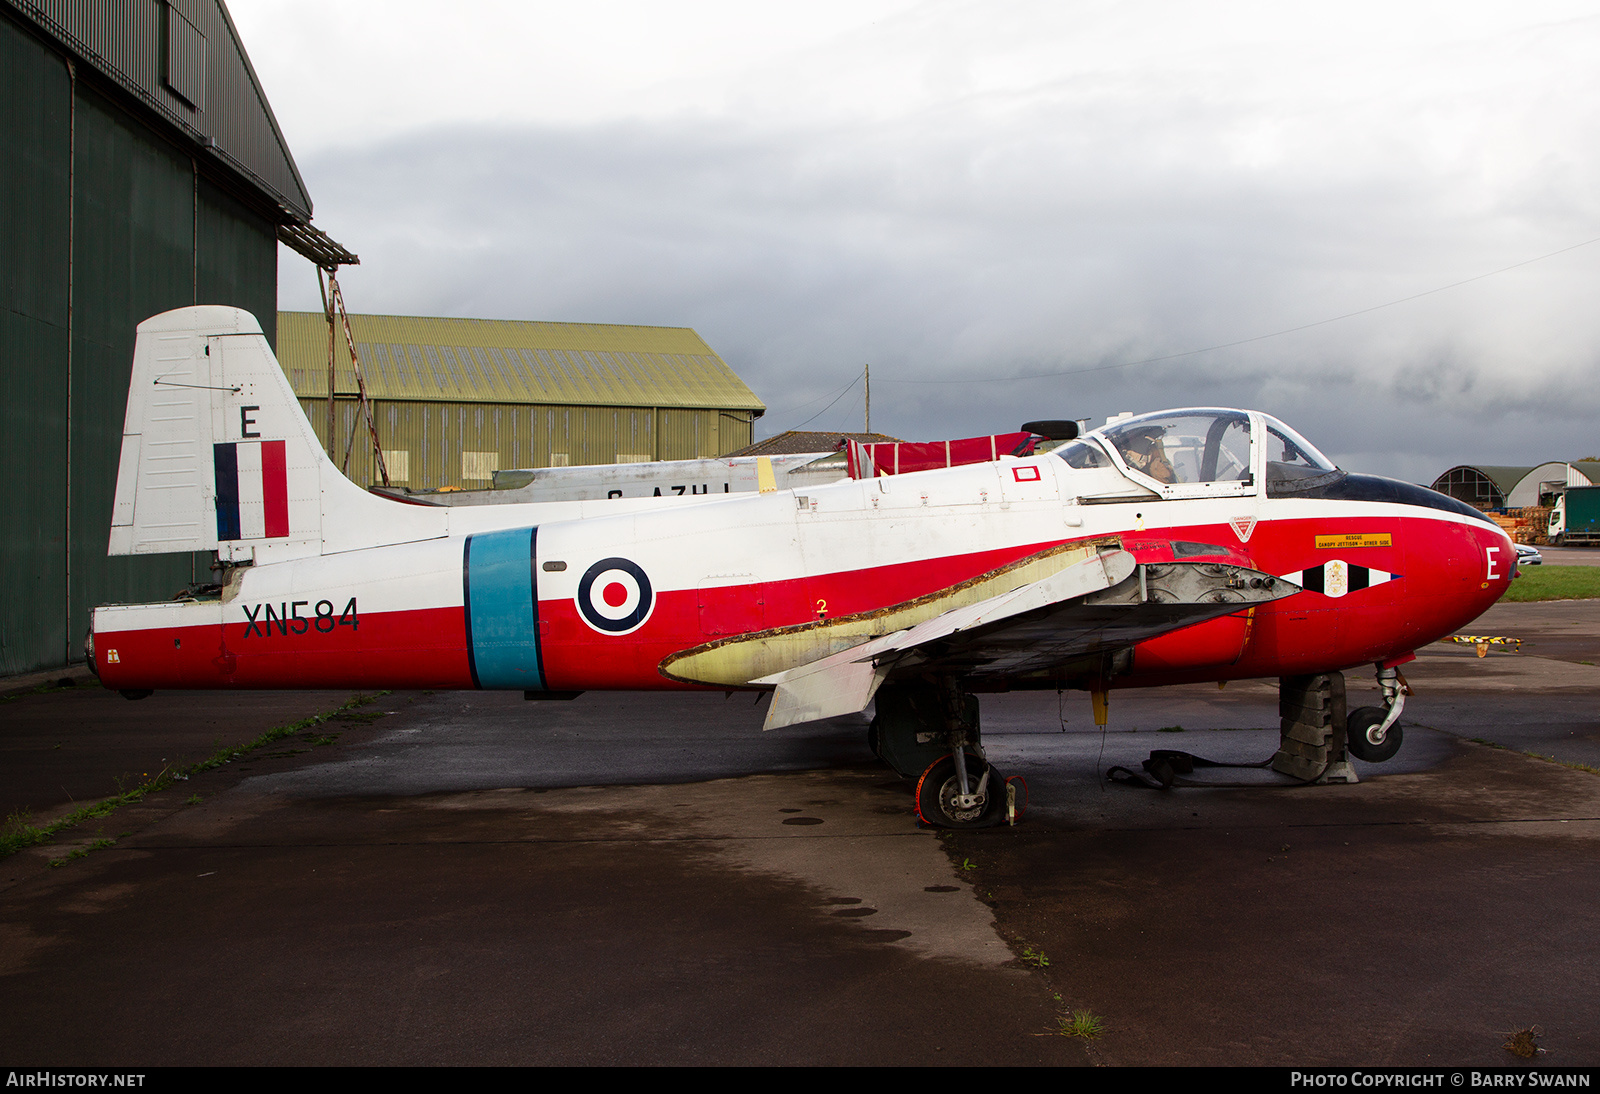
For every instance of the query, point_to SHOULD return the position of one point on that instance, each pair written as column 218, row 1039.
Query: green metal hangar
column 455, row 400
column 142, row 171
column 1490, row 487
column 1482, row 485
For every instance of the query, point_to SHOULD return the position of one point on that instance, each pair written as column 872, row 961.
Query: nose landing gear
column 1374, row 733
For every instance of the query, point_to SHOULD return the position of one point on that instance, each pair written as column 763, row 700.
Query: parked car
column 1528, row 555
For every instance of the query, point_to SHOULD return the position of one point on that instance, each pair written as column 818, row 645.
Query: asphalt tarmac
column 1571, row 556
column 470, row 878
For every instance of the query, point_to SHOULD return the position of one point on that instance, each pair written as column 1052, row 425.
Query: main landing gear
column 928, row 731
column 951, row 793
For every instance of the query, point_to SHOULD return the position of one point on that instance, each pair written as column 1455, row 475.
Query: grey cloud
column 1053, row 238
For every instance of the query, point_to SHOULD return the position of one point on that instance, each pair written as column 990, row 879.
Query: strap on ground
column 1165, row 766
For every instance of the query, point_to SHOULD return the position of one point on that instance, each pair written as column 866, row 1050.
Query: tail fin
column 217, row 454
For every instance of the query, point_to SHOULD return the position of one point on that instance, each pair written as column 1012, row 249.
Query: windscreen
column 1293, row 463
column 1186, row 446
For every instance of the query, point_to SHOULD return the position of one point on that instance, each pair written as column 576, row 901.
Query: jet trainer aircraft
column 1189, row 545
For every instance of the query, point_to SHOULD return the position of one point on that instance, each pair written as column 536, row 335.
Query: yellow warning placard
column 1355, row 539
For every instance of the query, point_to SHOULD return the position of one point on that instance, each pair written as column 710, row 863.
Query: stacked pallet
column 1525, row 525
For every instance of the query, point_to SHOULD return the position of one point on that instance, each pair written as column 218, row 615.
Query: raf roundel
column 614, row 596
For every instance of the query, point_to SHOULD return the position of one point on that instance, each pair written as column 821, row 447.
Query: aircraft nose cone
column 1485, row 570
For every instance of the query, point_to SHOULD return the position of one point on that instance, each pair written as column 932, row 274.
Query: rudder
column 217, row 454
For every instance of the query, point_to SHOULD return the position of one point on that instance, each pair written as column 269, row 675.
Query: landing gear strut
column 952, row 793
column 1374, row 732
column 928, row 730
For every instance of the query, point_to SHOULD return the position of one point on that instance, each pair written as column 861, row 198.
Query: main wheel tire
column 939, row 787
column 1363, row 721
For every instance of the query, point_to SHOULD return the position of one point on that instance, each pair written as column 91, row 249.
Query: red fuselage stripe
column 1438, row 577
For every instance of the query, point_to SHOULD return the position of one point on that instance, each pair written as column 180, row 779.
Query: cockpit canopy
column 1204, row 452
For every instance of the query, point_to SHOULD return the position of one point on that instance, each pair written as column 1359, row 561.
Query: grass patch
column 1035, row 958
column 65, row 683
column 1524, row 1043
column 1082, row 1023
column 1573, row 764
column 1555, row 583
column 97, row 845
column 17, row 834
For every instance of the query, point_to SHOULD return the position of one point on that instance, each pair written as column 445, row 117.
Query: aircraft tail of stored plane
column 1202, row 544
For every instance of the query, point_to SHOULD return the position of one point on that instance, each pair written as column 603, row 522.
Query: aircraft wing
column 1103, row 604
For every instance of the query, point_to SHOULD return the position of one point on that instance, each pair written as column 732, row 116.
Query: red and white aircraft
column 1189, row 545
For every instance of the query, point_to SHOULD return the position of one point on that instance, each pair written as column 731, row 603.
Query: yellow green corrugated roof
column 417, row 358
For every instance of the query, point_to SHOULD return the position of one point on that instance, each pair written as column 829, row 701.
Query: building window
column 479, row 465
column 186, row 59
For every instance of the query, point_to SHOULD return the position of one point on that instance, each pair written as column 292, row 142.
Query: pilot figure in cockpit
column 1144, row 451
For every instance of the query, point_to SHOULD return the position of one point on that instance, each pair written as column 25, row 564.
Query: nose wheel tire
column 939, row 799
column 1361, row 724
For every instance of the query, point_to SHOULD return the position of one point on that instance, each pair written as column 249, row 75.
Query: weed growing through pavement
column 1036, row 958
column 1082, row 1023
column 1589, row 769
column 97, row 845
column 1524, row 1043
column 17, row 834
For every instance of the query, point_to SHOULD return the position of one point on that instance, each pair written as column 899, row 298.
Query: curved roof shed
column 1557, row 473
column 1483, row 486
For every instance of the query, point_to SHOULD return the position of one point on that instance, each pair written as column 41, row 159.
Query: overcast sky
column 1002, row 206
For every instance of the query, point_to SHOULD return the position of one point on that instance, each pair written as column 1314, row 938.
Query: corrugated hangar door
column 35, row 109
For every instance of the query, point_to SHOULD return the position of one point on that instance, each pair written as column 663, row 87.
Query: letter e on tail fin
column 218, row 455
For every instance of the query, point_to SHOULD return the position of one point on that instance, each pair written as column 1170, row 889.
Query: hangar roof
column 1506, row 478
column 1494, row 487
column 511, row 361
column 1481, row 485
column 1528, row 489
column 183, row 60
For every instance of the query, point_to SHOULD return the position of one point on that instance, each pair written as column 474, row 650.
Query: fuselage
column 705, row 595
